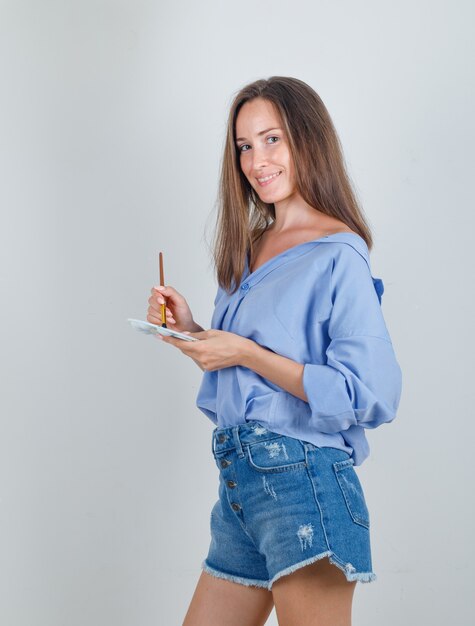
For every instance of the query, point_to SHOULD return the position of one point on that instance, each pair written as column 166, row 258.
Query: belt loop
column 237, row 442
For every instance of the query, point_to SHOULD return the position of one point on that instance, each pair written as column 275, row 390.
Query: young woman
column 297, row 364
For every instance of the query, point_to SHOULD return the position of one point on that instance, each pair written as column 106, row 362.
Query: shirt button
column 245, row 286
column 225, row 462
column 235, row 506
column 231, row 484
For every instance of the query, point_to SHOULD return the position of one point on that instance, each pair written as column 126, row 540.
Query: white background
column 112, row 119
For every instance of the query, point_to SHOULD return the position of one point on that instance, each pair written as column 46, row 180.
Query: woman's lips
column 271, row 180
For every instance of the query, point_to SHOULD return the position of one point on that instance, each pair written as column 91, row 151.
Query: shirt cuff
column 328, row 397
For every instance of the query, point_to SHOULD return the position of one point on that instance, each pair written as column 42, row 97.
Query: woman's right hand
column 178, row 313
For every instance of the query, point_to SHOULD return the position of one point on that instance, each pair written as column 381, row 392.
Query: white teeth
column 263, row 180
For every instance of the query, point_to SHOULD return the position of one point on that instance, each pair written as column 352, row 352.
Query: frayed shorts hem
column 249, row 582
column 347, row 569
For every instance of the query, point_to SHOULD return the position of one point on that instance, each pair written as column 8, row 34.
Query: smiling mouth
column 266, row 180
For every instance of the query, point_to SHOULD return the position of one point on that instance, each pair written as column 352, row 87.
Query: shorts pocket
column 352, row 491
column 280, row 454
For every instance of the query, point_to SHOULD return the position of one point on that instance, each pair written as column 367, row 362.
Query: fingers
column 155, row 298
column 184, row 346
column 166, row 290
column 155, row 309
column 162, row 295
column 154, row 316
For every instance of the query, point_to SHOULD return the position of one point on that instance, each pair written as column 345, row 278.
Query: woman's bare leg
column 218, row 602
column 314, row 595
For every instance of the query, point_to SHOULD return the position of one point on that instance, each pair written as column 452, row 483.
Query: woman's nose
column 259, row 158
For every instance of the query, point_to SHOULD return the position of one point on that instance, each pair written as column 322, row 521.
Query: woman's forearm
column 280, row 370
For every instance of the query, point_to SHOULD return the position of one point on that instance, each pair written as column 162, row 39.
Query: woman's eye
column 240, row 148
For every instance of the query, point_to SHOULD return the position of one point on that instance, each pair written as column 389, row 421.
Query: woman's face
column 264, row 154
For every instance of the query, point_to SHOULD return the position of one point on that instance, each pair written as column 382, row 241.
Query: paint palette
column 153, row 329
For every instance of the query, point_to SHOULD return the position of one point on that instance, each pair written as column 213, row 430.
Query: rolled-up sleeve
column 361, row 381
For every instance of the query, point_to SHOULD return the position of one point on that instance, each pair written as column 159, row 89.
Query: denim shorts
column 284, row 503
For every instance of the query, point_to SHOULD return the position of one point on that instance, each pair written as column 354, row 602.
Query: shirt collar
column 352, row 239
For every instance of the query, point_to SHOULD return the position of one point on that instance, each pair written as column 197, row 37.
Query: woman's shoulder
column 344, row 248
column 351, row 266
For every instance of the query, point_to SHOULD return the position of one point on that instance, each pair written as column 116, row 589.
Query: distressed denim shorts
column 284, row 503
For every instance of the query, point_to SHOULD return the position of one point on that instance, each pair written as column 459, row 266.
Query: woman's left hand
column 216, row 349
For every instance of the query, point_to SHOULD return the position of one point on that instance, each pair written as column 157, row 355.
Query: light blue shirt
column 318, row 304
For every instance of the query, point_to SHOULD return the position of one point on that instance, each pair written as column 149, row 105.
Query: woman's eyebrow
column 261, row 133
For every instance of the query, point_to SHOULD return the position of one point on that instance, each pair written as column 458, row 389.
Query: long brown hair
column 320, row 173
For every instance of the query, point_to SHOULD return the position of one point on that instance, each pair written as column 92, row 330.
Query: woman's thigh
column 218, row 602
column 315, row 595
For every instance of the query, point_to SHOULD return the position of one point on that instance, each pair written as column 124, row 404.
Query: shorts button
column 221, row 438
column 235, row 506
column 231, row 484
column 225, row 462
